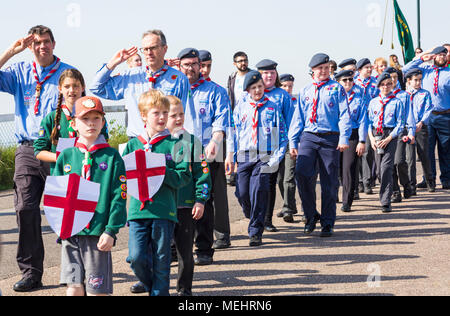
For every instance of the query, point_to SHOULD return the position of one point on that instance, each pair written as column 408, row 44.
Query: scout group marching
column 186, row 134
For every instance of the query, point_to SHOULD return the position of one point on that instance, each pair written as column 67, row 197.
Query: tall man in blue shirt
column 34, row 86
column 436, row 79
column 212, row 107
column 321, row 124
column 130, row 85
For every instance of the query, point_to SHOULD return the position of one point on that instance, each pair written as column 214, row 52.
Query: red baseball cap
column 87, row 104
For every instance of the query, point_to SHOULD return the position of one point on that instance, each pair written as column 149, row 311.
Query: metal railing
column 114, row 113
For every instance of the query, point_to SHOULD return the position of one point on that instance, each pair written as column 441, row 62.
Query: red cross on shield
column 145, row 174
column 69, row 203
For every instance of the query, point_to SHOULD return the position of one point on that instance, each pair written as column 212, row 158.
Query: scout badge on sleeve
column 69, row 203
column 145, row 174
column 64, row 143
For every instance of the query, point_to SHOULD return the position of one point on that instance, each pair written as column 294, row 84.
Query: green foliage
column 117, row 134
column 7, row 159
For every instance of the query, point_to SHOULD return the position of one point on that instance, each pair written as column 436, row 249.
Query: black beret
column 344, row 73
column 384, row 75
column 251, row 77
column 362, row 63
column 390, row 70
column 266, row 64
column 188, row 53
column 413, row 72
column 204, row 55
column 286, row 77
column 346, row 62
column 439, row 50
column 318, row 59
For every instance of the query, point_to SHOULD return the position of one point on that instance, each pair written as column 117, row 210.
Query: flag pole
column 418, row 24
column 384, row 23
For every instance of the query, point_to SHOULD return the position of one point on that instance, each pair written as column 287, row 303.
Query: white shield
column 152, row 165
column 69, row 203
column 64, row 143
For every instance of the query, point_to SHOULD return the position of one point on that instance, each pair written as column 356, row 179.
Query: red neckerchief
column 41, row 83
column 381, row 117
column 152, row 77
column 100, row 143
column 256, row 107
column 68, row 114
column 199, row 82
column 267, row 90
column 317, row 87
column 352, row 95
column 436, row 80
column 148, row 144
column 396, row 91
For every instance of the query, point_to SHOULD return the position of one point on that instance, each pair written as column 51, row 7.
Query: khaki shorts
column 83, row 264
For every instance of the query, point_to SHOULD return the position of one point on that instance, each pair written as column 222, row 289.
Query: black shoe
column 27, row 285
column 221, row 244
column 184, row 293
column 413, row 191
column 386, row 209
column 255, row 241
column 311, row 225
column 356, row 196
column 138, row 288
column 345, row 208
column 407, row 192
column 270, row 228
column 368, row 191
column 280, row 213
column 203, row 260
column 396, row 197
column 360, row 187
column 327, row 231
column 422, row 185
column 288, row 218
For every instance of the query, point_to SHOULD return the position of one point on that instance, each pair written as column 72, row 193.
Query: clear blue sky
column 88, row 33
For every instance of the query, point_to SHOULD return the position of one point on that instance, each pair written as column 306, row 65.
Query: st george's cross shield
column 69, row 203
column 64, row 143
column 145, row 174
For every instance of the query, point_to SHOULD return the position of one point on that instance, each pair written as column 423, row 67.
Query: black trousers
column 29, row 183
column 216, row 216
column 184, row 243
column 350, row 174
column 422, row 146
column 400, row 173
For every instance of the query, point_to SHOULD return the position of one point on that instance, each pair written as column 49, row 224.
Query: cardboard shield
column 145, row 174
column 64, row 143
column 69, row 203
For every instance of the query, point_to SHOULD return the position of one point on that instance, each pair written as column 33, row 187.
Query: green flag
column 404, row 34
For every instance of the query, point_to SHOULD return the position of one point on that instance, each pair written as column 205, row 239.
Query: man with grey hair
column 130, row 84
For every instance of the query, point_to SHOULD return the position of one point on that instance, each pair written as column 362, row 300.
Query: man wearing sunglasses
column 132, row 83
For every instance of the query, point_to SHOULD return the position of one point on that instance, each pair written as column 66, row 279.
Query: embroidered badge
column 67, row 168
column 41, row 132
column 205, row 191
column 202, row 157
column 123, row 179
column 202, row 111
column 123, row 195
column 206, row 186
column 331, row 104
column 89, row 104
column 204, row 164
column 169, row 157
column 123, row 187
column 174, row 77
column 103, row 166
column 95, row 282
column 205, row 170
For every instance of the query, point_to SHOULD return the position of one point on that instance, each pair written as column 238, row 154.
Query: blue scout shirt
column 369, row 85
column 408, row 115
column 441, row 101
column 18, row 80
column 421, row 105
column 393, row 115
column 357, row 105
column 133, row 83
column 332, row 113
column 272, row 133
column 212, row 108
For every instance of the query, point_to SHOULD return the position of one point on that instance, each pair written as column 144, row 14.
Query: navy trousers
column 318, row 151
column 253, row 194
column 439, row 133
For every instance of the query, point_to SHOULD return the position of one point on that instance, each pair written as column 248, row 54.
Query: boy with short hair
column 93, row 159
column 152, row 223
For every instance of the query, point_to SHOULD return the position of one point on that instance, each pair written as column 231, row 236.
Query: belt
column 27, row 142
column 324, row 134
column 441, row 112
column 385, row 131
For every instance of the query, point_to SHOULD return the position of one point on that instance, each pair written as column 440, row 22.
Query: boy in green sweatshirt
column 191, row 198
column 152, row 223
column 87, row 255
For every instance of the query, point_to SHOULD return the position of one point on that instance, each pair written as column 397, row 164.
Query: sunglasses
column 347, row 80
